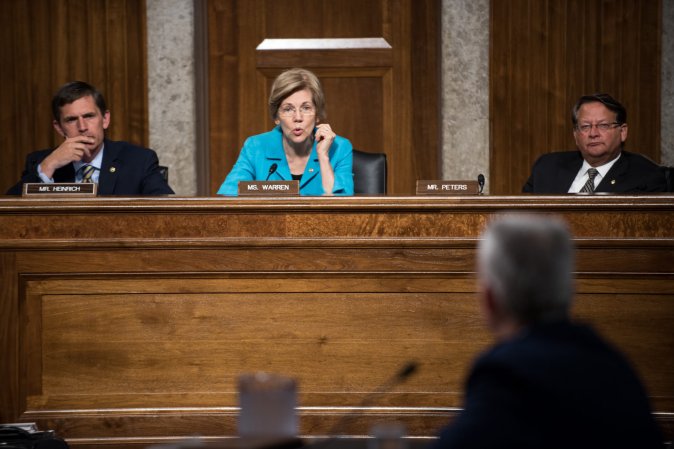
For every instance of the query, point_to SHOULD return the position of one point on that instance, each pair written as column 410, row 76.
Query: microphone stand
column 336, row 430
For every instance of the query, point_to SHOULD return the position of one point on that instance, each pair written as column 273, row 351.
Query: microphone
column 480, row 182
column 401, row 376
column 272, row 169
column 404, row 373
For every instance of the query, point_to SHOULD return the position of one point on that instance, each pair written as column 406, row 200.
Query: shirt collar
column 602, row 169
column 96, row 162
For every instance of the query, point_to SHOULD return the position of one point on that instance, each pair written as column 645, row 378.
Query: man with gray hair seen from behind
column 547, row 382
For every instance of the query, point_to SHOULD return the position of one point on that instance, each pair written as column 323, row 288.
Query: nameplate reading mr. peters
column 447, row 188
column 60, row 189
column 269, row 188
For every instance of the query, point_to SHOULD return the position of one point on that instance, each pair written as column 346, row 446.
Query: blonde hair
column 294, row 80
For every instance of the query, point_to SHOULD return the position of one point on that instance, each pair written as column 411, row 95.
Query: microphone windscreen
column 480, row 183
column 272, row 169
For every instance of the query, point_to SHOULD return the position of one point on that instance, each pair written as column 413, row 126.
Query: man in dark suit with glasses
column 601, row 164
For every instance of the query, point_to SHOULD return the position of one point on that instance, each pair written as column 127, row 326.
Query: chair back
column 163, row 169
column 369, row 173
column 669, row 176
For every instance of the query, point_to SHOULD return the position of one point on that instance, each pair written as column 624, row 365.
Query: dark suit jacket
column 632, row 173
column 556, row 385
column 126, row 169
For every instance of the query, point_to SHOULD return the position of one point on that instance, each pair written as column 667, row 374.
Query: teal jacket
column 262, row 151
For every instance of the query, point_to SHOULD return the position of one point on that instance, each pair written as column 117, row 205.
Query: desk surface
column 127, row 320
column 622, row 217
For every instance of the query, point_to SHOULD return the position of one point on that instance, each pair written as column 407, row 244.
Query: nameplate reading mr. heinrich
column 60, row 189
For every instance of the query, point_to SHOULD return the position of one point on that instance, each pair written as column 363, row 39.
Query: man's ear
column 491, row 309
column 623, row 132
column 498, row 318
column 106, row 119
column 57, row 127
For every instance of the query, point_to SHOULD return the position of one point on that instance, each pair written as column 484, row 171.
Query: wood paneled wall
column 545, row 54
column 47, row 43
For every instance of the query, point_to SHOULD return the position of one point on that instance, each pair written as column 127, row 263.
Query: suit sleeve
column 243, row 170
column 342, row 166
column 657, row 181
column 529, row 185
column 491, row 403
column 29, row 175
column 154, row 182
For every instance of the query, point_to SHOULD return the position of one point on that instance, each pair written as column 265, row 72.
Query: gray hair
column 528, row 262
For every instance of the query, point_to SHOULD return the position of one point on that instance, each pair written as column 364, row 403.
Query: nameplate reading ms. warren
column 447, row 188
column 269, row 188
column 60, row 189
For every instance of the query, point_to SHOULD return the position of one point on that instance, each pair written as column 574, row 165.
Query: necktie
column 87, row 173
column 589, row 185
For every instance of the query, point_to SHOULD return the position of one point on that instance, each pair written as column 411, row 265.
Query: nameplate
column 269, row 188
column 447, row 188
column 60, row 189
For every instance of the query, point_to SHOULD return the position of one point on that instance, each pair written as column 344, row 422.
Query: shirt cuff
column 44, row 178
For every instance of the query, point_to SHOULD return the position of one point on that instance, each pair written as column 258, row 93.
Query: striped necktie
column 589, row 185
column 87, row 173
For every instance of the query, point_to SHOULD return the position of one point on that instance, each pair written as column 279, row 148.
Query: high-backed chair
column 369, row 173
column 669, row 176
column 163, row 169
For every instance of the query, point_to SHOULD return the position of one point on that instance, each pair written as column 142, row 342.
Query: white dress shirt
column 582, row 177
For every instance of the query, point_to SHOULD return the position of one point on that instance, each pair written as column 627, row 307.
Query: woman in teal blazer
column 301, row 146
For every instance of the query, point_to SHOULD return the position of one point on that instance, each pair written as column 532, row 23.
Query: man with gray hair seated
column 547, row 382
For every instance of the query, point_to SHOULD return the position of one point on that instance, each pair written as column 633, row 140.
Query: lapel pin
column 113, row 169
column 612, row 181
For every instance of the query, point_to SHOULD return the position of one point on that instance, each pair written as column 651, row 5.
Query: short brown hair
column 611, row 104
column 73, row 91
column 294, row 80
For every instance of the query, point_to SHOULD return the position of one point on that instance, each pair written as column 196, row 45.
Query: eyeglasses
column 289, row 111
column 601, row 127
